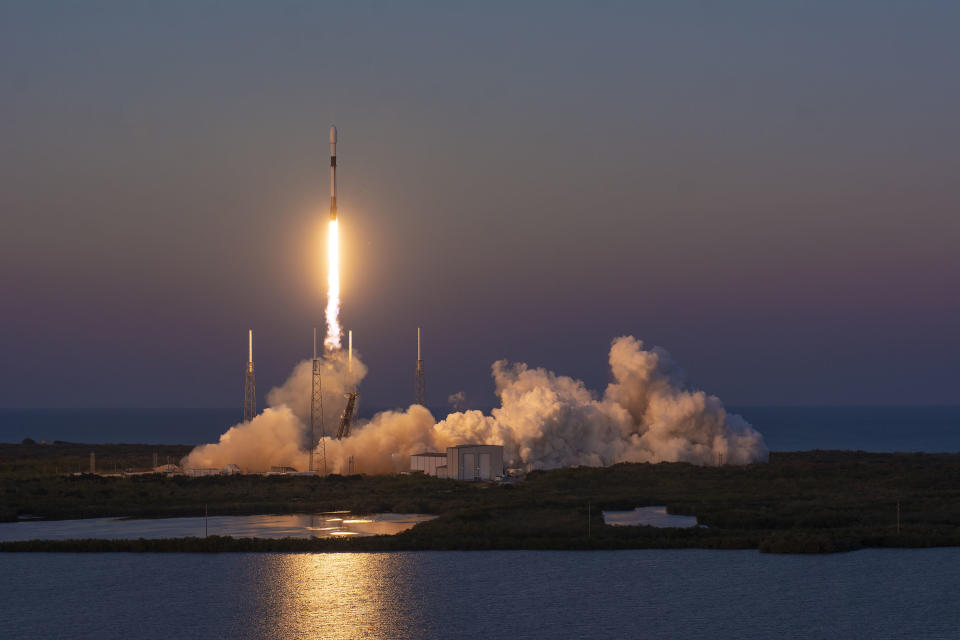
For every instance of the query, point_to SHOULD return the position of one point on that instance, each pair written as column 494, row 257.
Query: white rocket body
column 333, row 173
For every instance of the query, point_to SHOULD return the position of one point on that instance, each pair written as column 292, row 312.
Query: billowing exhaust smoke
column 648, row 414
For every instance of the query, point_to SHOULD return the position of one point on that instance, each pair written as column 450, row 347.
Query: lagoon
column 322, row 525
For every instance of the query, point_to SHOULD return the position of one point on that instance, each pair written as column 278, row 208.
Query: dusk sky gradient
column 767, row 190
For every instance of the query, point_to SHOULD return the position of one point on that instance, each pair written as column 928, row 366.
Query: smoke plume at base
column 544, row 421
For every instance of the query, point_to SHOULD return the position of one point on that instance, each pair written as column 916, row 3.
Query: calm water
column 647, row 516
column 933, row 429
column 502, row 594
column 263, row 526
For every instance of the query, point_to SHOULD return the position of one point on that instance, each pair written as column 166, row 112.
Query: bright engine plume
column 332, row 341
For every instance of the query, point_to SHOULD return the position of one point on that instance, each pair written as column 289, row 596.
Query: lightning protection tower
column 316, row 415
column 249, row 386
column 420, row 381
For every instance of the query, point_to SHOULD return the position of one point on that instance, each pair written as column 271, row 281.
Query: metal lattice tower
column 316, row 415
column 347, row 418
column 420, row 381
column 352, row 397
column 249, row 387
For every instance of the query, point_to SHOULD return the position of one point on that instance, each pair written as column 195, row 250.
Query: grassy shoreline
column 799, row 502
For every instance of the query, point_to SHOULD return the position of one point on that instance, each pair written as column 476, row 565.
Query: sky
column 767, row 190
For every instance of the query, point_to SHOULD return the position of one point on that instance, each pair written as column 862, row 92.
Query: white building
column 281, row 470
column 475, row 462
column 432, row 464
column 196, row 473
column 463, row 462
column 230, row 470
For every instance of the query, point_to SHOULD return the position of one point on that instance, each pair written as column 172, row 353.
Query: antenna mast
column 420, row 381
column 249, row 386
column 316, row 414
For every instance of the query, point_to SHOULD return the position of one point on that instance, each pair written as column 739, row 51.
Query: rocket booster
column 333, row 173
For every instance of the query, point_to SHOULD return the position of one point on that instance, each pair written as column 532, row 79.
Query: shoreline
column 798, row 502
column 795, row 543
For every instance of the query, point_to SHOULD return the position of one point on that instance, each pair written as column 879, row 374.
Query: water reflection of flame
column 339, row 595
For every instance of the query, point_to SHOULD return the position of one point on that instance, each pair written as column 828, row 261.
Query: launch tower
column 316, row 415
column 347, row 418
column 420, row 381
column 249, row 386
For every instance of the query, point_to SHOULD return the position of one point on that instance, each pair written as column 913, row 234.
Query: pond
column 650, row 517
column 321, row 525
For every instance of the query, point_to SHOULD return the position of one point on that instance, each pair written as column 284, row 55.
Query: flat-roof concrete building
column 429, row 463
column 196, row 473
column 281, row 470
column 475, row 462
column 462, row 462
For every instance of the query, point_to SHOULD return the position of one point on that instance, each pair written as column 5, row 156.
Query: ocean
column 934, row 429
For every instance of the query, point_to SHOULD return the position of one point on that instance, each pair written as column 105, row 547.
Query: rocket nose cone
column 333, row 135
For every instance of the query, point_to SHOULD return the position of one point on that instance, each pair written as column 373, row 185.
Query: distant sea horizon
column 879, row 428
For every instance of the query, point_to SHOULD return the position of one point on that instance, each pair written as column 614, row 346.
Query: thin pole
column 323, row 432
column 206, row 524
column 313, row 431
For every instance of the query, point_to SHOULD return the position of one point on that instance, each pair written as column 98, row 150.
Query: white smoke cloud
column 280, row 436
column 338, row 376
column 385, row 444
column 458, row 401
column 544, row 421
column 272, row 438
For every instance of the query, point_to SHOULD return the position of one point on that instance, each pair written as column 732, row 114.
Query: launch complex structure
column 249, row 386
column 318, row 449
column 419, row 378
column 318, row 435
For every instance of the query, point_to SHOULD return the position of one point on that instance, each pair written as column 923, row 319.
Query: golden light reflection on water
column 379, row 524
column 340, row 595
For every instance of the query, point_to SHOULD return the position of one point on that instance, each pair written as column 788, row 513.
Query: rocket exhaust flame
column 545, row 420
column 332, row 341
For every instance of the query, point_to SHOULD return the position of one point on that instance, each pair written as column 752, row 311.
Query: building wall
column 203, row 472
column 475, row 462
column 453, row 463
column 428, row 463
column 463, row 462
